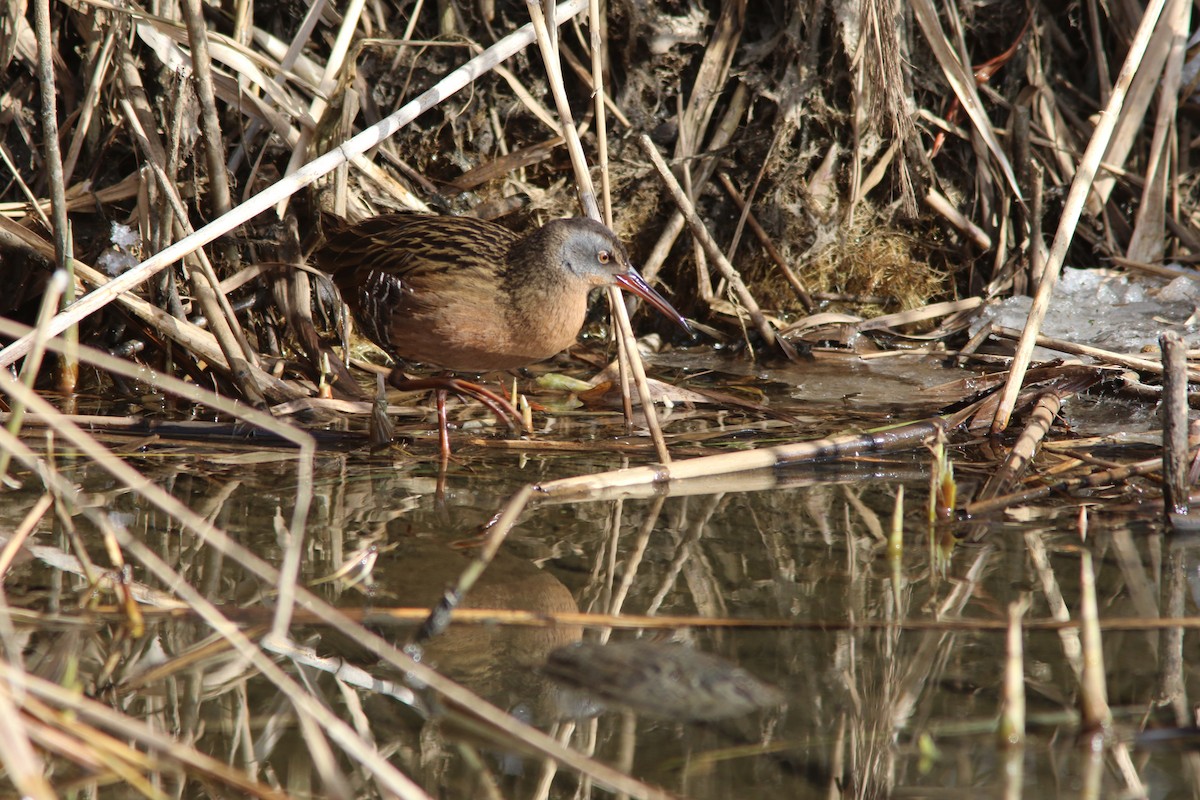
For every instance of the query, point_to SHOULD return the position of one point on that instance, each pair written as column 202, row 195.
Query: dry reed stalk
column 587, row 198
column 214, row 141
column 1095, row 715
column 23, row 764
column 1148, row 240
column 257, row 619
column 39, row 208
column 68, row 369
column 1174, row 411
column 1068, row 634
column 1080, row 187
column 326, row 85
column 1020, row 456
column 633, row 560
column 1131, row 116
column 922, row 314
column 55, row 289
column 1011, row 729
column 693, row 118
column 1098, row 353
column 286, row 187
column 900, row 438
column 938, row 202
column 1106, row 477
column 1169, row 683
column 627, row 344
column 710, row 246
column 599, row 47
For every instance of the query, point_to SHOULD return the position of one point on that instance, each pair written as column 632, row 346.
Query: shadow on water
column 888, row 662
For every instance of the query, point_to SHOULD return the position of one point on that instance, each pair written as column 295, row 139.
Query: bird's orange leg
column 499, row 406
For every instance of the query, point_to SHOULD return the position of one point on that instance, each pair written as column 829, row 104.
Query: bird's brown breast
column 442, row 291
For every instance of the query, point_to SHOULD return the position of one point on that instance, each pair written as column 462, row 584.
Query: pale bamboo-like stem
column 337, row 57
column 587, row 197
column 1072, row 209
column 214, row 142
column 594, row 23
column 1020, row 456
column 55, row 288
column 1011, row 731
column 594, row 26
column 310, row 172
column 1095, row 714
column 907, row 436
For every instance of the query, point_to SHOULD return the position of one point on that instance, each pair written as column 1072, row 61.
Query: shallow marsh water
column 876, row 704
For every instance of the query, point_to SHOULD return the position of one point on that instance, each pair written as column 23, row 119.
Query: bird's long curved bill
column 631, row 281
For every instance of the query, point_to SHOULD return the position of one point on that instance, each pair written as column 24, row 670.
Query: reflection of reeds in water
column 149, row 628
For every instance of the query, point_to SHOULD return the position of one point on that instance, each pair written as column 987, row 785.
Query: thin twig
column 710, row 246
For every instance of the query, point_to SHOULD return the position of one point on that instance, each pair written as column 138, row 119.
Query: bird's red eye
column 604, row 256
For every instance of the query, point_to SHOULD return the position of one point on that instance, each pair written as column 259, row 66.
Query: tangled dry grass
column 852, row 157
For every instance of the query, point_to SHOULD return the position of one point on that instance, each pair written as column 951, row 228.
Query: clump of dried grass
column 869, row 261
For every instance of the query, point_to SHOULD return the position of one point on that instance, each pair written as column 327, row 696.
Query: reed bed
column 807, row 181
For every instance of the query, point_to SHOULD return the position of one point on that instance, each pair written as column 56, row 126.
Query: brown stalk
column 68, row 371
column 1176, row 459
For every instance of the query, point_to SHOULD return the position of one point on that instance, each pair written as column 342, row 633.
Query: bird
column 468, row 295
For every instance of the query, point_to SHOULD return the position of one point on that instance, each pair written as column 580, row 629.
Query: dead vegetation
column 843, row 161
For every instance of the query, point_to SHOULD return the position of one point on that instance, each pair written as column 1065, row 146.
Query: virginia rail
column 469, row 295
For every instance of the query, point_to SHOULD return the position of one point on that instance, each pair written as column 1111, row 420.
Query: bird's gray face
column 594, row 253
